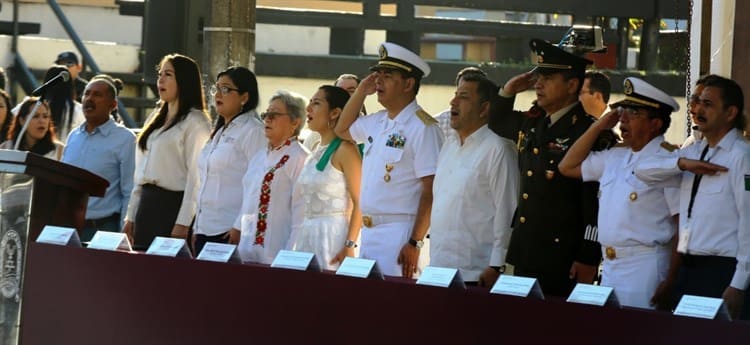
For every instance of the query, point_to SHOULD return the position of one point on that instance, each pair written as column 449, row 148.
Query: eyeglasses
column 223, row 89
column 270, row 115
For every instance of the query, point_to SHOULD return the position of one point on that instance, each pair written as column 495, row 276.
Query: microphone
column 60, row 78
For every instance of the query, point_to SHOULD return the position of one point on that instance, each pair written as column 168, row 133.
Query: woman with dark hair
column 268, row 211
column 166, row 176
column 329, row 185
column 236, row 137
column 66, row 112
column 5, row 120
column 39, row 137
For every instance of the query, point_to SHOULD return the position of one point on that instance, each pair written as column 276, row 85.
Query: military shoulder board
column 669, row 147
column 426, row 118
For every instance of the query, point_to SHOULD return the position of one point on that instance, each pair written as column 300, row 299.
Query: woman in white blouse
column 166, row 176
column 39, row 137
column 237, row 137
column 268, row 213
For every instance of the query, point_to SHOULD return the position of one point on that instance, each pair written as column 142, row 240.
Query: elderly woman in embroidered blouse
column 237, row 136
column 166, row 176
column 329, row 185
column 268, row 213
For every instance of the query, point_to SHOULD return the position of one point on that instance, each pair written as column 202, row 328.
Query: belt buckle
column 610, row 253
column 367, row 221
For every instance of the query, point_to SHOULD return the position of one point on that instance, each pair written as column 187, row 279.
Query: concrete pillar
column 722, row 37
column 229, row 37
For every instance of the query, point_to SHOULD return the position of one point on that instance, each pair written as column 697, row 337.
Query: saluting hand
column 408, row 258
column 609, row 120
column 520, row 83
column 367, row 85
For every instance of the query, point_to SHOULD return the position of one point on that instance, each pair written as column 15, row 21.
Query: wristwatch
column 416, row 243
column 350, row 244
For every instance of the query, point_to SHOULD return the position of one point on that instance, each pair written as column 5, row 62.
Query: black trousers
column 707, row 276
column 201, row 240
column 554, row 283
column 156, row 214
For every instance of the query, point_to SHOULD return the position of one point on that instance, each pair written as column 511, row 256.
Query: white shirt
column 222, row 164
column 283, row 214
column 416, row 159
column 474, row 196
column 171, row 162
column 720, row 220
column 624, row 222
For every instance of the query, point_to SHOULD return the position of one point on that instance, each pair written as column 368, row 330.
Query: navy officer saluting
column 636, row 224
column 401, row 150
column 554, row 235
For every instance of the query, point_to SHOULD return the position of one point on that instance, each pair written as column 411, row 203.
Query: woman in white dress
column 329, row 185
column 265, row 222
column 39, row 137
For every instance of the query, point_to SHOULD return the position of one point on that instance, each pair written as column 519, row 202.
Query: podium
column 34, row 192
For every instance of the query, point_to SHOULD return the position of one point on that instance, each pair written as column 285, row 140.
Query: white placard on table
column 168, row 246
column 517, row 286
column 59, row 235
column 300, row 261
column 107, row 240
column 702, row 307
column 219, row 252
column 359, row 268
column 593, row 295
column 441, row 277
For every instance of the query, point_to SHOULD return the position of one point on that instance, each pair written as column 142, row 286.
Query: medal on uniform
column 387, row 176
column 520, row 142
column 633, row 196
column 549, row 174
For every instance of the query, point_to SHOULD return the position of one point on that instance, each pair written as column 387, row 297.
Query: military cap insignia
column 383, row 52
column 627, row 87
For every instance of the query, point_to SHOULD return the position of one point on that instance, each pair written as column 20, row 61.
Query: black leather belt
column 95, row 223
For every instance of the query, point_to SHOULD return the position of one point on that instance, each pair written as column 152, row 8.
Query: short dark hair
column 469, row 71
column 406, row 75
column 664, row 115
column 731, row 95
column 486, row 88
column 599, row 82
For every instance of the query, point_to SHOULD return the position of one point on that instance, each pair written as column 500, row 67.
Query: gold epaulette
column 426, row 118
column 669, row 147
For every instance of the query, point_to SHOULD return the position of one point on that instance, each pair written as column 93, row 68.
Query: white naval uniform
column 720, row 220
column 635, row 220
column 393, row 205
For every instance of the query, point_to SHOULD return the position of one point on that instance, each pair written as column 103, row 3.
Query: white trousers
column 635, row 277
column 383, row 243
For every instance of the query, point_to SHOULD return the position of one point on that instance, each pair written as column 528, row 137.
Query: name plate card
column 60, row 236
column 517, row 286
column 593, row 295
column 359, row 268
column 107, row 240
column 300, row 261
column 167, row 246
column 441, row 277
column 219, row 252
column 702, row 307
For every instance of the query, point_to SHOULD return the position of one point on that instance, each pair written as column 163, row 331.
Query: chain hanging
column 688, row 118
